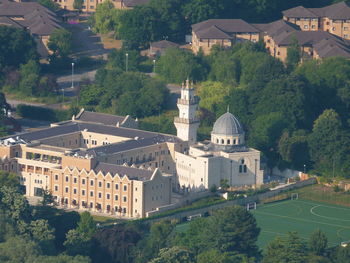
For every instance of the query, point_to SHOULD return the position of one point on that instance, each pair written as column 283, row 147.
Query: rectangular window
column 91, row 193
column 124, row 198
column 92, row 182
column 75, row 180
column 66, row 189
column 82, row 181
column 56, row 177
column 108, row 196
column 99, row 184
column 116, row 186
column 125, row 188
column 108, row 185
column 92, row 7
column 82, row 192
column 75, row 191
column 116, row 197
column 56, row 188
column 99, row 195
column 67, row 178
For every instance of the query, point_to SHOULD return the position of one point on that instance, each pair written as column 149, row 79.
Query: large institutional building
column 103, row 163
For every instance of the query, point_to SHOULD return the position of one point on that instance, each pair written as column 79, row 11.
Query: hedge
column 41, row 114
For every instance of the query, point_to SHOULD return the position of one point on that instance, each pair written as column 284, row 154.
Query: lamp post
column 72, row 75
column 304, row 168
column 126, row 62
column 154, row 66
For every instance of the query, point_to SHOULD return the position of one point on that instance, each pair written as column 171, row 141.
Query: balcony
column 186, row 121
column 188, row 102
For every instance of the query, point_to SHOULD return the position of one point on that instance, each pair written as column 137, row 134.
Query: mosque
column 225, row 159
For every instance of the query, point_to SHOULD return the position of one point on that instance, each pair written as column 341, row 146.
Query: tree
column 342, row 254
column 60, row 42
column 50, row 5
column 289, row 249
column 18, row 249
column 19, row 47
column 318, row 243
column 293, row 55
column 9, row 179
column 43, row 235
column 325, row 141
column 30, row 73
column 176, row 65
column 232, row 230
column 62, row 258
column 78, row 5
column 106, row 18
column 79, row 240
column 174, row 255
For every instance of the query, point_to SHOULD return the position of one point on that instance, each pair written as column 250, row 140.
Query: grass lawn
column 303, row 216
column 109, row 42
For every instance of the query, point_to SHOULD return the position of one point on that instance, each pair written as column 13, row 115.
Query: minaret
column 187, row 123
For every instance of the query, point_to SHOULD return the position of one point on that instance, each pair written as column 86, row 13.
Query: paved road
column 65, row 81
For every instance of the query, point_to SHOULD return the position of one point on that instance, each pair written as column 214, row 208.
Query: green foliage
column 78, row 4
column 39, row 113
column 29, row 77
column 117, row 60
column 19, row 47
column 60, row 42
column 18, row 249
column 163, row 123
column 176, row 65
column 9, row 179
column 318, row 243
column 212, row 94
column 293, row 55
column 289, row 249
column 174, row 255
column 106, row 18
column 50, row 5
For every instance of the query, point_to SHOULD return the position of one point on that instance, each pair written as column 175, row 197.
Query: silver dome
column 227, row 124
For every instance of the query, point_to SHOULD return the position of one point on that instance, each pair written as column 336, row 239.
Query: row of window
column 100, row 184
column 228, row 141
column 37, row 181
column 83, row 192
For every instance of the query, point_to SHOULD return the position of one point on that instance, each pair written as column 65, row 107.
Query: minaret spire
column 187, row 123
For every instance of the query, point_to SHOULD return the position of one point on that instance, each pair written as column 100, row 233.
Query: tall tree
column 60, row 42
column 293, row 55
column 318, row 243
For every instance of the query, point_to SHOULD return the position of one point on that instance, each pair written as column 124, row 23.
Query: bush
column 41, row 114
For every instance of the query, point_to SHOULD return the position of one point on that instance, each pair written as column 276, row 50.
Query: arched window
column 217, row 141
column 234, row 141
column 228, row 141
column 222, row 141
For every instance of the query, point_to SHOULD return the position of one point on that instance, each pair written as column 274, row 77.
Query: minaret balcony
column 188, row 102
column 186, row 121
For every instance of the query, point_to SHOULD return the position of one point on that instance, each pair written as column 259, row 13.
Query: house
column 281, row 34
column 222, row 32
column 90, row 6
column 39, row 21
column 334, row 19
column 158, row 48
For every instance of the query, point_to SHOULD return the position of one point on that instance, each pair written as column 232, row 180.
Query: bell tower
column 187, row 123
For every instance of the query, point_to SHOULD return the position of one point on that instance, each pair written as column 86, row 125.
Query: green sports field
column 304, row 217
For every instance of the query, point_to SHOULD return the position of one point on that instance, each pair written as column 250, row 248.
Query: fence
column 244, row 201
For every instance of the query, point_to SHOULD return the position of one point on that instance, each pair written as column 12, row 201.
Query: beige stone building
column 95, row 166
column 91, row 5
column 39, row 21
column 334, row 19
column 222, row 32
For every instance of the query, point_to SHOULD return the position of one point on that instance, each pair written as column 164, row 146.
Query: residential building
column 90, row 6
column 222, row 32
column 334, row 19
column 39, row 21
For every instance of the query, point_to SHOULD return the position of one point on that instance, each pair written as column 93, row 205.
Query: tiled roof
column 5, row 21
column 299, row 11
column 163, row 44
column 305, row 38
column 102, row 118
column 222, row 28
column 36, row 18
column 132, row 173
column 277, row 27
column 133, row 3
column 336, row 11
column 332, row 48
